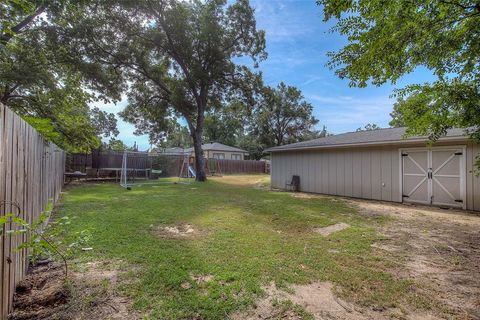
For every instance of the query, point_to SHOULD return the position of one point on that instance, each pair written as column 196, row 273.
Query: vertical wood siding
column 31, row 175
column 473, row 180
column 368, row 172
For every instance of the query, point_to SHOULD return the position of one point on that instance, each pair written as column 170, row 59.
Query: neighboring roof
column 215, row 146
column 170, row 151
column 380, row 136
column 174, row 149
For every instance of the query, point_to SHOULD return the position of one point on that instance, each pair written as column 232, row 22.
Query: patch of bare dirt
column 438, row 248
column 302, row 195
column 328, row 230
column 86, row 294
column 199, row 279
column 316, row 298
column 177, row 232
column 41, row 294
column 186, row 285
column 95, row 293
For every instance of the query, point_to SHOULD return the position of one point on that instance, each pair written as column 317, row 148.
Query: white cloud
column 283, row 61
column 314, row 79
column 279, row 24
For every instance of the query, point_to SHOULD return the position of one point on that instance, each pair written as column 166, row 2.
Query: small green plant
column 41, row 240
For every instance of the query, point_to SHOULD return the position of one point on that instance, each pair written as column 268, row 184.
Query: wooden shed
column 383, row 165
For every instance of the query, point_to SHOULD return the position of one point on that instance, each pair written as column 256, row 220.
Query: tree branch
column 177, row 57
column 5, row 38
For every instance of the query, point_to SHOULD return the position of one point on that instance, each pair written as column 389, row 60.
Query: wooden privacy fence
column 240, row 166
column 78, row 162
column 31, row 176
column 101, row 164
column 111, row 160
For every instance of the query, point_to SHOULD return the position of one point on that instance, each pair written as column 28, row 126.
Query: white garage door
column 434, row 176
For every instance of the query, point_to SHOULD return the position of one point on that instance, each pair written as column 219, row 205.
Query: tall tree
column 44, row 78
column 178, row 57
column 252, row 144
column 314, row 134
column 283, row 116
column 388, row 39
column 17, row 16
column 104, row 123
column 177, row 136
column 369, row 127
column 226, row 124
column 115, row 145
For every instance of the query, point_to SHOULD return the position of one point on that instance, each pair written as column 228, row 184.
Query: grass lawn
column 246, row 237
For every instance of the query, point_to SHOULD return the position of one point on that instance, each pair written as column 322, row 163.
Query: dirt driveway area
column 438, row 248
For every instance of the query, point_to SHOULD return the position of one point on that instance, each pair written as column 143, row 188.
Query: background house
column 383, row 165
column 175, row 151
column 217, row 150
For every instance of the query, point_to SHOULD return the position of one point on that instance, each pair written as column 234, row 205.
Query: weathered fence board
column 239, row 166
column 31, row 176
column 105, row 160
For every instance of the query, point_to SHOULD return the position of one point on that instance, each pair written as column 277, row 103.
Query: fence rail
column 31, row 176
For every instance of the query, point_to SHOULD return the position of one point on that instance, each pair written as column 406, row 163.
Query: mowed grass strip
column 247, row 237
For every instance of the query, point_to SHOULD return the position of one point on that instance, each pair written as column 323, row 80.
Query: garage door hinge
column 405, row 196
column 458, row 153
column 404, row 154
column 459, row 201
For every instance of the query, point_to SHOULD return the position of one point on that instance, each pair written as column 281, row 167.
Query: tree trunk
column 199, row 159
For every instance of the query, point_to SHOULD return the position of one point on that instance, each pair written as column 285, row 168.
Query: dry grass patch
column 310, row 301
column 199, row 279
column 183, row 231
column 250, row 237
column 88, row 293
column 302, row 195
column 326, row 231
column 260, row 181
column 439, row 249
column 95, row 293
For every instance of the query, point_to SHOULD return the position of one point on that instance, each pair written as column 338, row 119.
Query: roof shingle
column 216, row 146
column 381, row 136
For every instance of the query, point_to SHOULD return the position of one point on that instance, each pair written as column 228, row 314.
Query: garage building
column 383, row 165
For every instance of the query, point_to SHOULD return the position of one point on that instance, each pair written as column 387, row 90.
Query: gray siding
column 361, row 172
column 473, row 181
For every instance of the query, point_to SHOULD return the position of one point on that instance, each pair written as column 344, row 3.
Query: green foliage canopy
column 369, row 127
column 177, row 57
column 226, row 125
column 44, row 77
column 177, row 136
column 282, row 116
column 388, row 39
column 115, row 145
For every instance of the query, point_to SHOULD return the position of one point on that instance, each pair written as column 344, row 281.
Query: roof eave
column 376, row 143
column 241, row 151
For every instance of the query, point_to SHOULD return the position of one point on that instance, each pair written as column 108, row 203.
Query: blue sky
column 297, row 43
